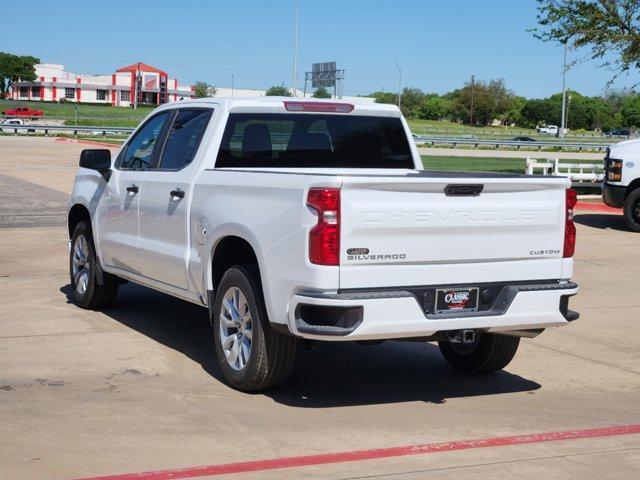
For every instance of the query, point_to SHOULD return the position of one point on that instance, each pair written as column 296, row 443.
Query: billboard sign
column 323, row 74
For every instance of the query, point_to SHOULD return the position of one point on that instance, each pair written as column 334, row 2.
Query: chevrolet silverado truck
column 298, row 219
column 621, row 187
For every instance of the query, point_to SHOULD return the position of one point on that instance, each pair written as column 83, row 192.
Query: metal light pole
column 399, row 83
column 295, row 50
column 232, row 82
column 564, row 92
column 473, row 83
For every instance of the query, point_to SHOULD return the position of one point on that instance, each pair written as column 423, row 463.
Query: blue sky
column 438, row 44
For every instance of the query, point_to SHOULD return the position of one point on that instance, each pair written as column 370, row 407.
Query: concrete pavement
column 136, row 387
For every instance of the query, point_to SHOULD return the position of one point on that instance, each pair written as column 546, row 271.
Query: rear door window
column 314, row 141
column 184, row 138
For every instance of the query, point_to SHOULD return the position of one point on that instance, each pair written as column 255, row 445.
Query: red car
column 23, row 112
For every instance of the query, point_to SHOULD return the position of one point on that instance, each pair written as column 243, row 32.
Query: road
column 136, row 388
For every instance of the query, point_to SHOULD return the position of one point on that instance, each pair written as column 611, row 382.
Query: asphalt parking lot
column 136, row 388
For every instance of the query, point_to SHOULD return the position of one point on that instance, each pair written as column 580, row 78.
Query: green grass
column 474, row 164
column 477, row 164
column 446, row 128
column 86, row 114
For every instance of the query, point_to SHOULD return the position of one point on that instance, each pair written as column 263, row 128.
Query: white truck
column 301, row 219
column 621, row 188
column 548, row 130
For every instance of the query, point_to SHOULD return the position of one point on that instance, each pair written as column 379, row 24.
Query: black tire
column 632, row 210
column 94, row 296
column 271, row 355
column 490, row 353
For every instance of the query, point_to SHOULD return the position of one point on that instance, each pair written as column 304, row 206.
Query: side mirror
column 96, row 159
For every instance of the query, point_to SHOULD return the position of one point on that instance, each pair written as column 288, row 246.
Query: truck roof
column 277, row 104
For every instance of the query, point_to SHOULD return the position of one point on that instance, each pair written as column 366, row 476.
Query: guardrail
column 65, row 128
column 581, row 174
column 476, row 142
column 537, row 145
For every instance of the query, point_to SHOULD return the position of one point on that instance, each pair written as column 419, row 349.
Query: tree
column 480, row 103
column 411, row 100
column 433, row 107
column 321, row 92
column 630, row 112
column 14, row 68
column 278, row 91
column 610, row 28
column 203, row 89
column 385, row 97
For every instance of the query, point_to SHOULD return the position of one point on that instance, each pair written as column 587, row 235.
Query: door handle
column 177, row 193
column 132, row 188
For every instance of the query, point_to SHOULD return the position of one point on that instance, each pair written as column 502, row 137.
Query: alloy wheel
column 236, row 328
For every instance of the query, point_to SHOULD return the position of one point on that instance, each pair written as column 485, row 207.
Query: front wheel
column 83, row 265
column 489, row 353
column 632, row 210
column 251, row 355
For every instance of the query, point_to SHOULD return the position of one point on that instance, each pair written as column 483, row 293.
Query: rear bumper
column 387, row 314
column 614, row 195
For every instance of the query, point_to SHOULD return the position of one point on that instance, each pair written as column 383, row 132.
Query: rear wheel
column 83, row 265
column 251, row 355
column 489, row 353
column 632, row 210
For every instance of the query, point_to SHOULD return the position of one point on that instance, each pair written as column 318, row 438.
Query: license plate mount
column 457, row 300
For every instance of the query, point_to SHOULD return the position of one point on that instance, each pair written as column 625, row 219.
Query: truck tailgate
column 405, row 230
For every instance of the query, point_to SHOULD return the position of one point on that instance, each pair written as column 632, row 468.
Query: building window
column 23, row 92
column 125, row 96
column 101, row 94
column 35, row 92
column 69, row 93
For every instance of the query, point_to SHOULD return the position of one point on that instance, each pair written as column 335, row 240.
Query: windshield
column 314, row 141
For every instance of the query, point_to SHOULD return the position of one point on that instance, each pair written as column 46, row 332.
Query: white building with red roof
column 149, row 85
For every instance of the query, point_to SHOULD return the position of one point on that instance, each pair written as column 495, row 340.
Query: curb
column 87, row 142
column 596, row 207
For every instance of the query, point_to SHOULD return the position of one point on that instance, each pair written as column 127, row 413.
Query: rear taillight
column 318, row 107
column 324, row 238
column 569, row 226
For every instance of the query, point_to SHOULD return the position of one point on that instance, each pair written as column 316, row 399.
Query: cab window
column 141, row 151
column 184, row 138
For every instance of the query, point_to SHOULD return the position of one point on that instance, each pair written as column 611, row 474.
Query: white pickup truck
column 300, row 219
column 621, row 187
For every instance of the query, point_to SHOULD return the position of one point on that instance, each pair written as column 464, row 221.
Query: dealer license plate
column 452, row 300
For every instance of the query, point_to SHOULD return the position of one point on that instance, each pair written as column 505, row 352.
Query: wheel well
column 77, row 214
column 229, row 252
column 632, row 186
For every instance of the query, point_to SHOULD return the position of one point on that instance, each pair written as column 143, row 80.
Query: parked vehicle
column 23, row 112
column 8, row 123
column 621, row 187
column 303, row 219
column 548, row 130
column 623, row 132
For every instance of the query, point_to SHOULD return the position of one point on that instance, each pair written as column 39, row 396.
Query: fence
column 588, row 174
column 537, row 145
column 34, row 128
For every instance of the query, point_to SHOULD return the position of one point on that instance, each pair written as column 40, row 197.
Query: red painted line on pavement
column 596, row 207
column 88, row 142
column 360, row 455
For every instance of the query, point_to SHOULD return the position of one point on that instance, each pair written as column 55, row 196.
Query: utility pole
column 135, row 87
column 295, row 49
column 399, row 84
column 473, row 82
column 564, row 92
column 232, row 82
